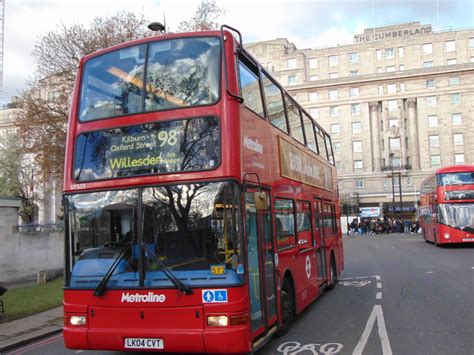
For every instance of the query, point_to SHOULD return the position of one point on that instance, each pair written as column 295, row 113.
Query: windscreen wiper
column 124, row 253
column 176, row 282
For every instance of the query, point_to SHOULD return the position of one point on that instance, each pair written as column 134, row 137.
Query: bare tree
column 45, row 105
column 205, row 18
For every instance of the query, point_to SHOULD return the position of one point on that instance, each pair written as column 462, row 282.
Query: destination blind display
column 154, row 148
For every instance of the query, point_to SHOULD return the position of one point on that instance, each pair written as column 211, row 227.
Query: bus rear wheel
column 332, row 275
column 287, row 306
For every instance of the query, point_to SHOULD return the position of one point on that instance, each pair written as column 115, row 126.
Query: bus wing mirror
column 261, row 200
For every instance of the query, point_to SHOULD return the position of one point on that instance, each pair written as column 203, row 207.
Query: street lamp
column 393, row 185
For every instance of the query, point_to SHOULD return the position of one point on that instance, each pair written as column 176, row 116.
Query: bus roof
column 455, row 169
column 213, row 33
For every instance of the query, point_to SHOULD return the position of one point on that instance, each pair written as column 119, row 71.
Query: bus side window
column 250, row 86
column 285, row 223
column 275, row 108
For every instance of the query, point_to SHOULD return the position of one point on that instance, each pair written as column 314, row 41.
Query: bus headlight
column 446, row 236
column 77, row 320
column 217, row 321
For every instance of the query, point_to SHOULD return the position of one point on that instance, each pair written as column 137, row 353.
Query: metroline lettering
column 150, row 297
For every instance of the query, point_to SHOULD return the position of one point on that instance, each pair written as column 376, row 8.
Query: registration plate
column 144, row 343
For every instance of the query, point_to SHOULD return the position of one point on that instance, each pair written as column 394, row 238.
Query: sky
column 306, row 23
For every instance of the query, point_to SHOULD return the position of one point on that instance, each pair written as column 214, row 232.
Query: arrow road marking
column 375, row 315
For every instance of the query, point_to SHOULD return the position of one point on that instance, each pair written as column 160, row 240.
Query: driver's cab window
column 285, row 223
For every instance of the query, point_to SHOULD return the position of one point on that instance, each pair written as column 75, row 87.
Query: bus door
column 320, row 240
column 260, row 258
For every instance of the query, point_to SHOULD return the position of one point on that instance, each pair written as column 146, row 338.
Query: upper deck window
column 275, row 108
column 181, row 72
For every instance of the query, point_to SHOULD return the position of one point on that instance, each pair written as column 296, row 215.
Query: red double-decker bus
column 201, row 203
column 447, row 205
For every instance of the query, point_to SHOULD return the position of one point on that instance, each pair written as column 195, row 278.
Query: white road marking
column 378, row 296
column 379, row 285
column 355, row 283
column 361, row 277
column 377, row 277
column 428, row 272
column 375, row 315
column 347, row 279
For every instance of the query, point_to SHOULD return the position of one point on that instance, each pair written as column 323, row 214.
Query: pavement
column 25, row 330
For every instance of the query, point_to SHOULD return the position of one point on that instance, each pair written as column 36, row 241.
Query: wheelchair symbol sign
column 214, row 296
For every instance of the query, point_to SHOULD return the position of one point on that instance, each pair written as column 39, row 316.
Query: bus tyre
column 287, row 306
column 435, row 240
column 332, row 275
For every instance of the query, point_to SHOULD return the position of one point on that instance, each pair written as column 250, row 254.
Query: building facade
column 398, row 103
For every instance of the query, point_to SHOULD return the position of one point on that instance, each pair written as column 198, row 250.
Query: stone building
column 400, row 98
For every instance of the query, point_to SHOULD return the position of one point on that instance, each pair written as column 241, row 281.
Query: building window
column 394, row 143
column 400, row 52
column 333, row 60
column 402, row 67
column 409, row 181
column 355, row 109
column 428, row 64
column 270, row 67
column 313, row 77
column 431, row 101
column 333, row 75
column 389, row 53
column 313, row 63
column 433, row 121
column 458, row 139
column 292, row 63
column 338, row 165
column 385, row 184
column 335, row 128
column 332, row 94
column 402, row 87
column 359, row 184
column 430, row 84
column 313, row 96
column 334, row 111
column 391, row 88
column 456, row 99
column 450, row 46
column 354, row 72
column 435, row 160
column 380, row 89
column 337, row 147
column 472, row 59
column 358, row 165
column 291, row 80
column 392, row 105
column 427, row 48
column 459, row 158
column 396, row 162
column 454, row 80
column 471, row 42
column 354, row 92
column 357, row 147
column 434, row 141
column 356, row 127
column 394, row 122
column 456, row 118
column 353, row 58
column 452, row 61
column 390, row 69
column 379, row 54
column 314, row 112
column 379, row 70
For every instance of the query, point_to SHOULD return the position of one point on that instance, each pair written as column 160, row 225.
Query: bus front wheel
column 332, row 274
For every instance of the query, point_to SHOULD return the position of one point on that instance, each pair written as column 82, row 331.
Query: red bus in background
column 201, row 202
column 447, row 205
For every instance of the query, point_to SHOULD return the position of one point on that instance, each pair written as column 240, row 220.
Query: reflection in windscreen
column 180, row 73
column 194, row 226
column 457, row 215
